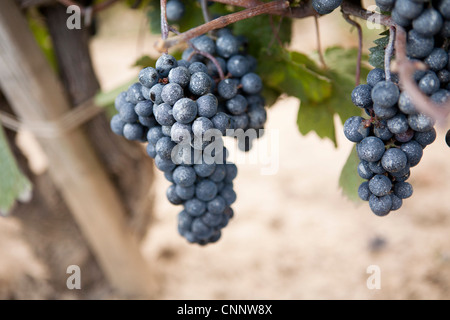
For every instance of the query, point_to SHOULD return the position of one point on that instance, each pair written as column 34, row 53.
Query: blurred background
column 294, row 234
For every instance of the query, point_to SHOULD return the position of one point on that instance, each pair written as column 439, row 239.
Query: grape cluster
column 182, row 109
column 392, row 140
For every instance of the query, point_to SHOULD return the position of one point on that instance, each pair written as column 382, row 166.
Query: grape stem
column 205, row 12
column 164, row 23
column 388, row 53
column 221, row 22
column 406, row 69
column 319, row 44
column 360, row 41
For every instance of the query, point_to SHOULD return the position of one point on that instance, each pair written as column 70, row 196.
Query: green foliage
column 376, row 56
column 13, row 184
column 349, row 180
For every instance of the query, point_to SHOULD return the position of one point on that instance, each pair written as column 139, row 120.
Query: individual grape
column 148, row 77
column 355, row 129
column 437, row 59
column 444, row 8
column 144, row 108
column 428, row 23
column 447, row 138
column 394, row 160
column 429, row 84
column 376, row 167
column 219, row 173
column 240, row 121
column 413, row 151
column 363, row 191
column 396, row 202
column 228, row 194
column 120, row 100
column 164, row 64
column 238, row 65
column 185, row 193
column 227, row 45
column 155, row 93
column 405, row 105
column 174, row 10
column 206, row 190
column 257, row 116
column 364, row 170
column 207, row 105
column 164, row 164
column 381, row 206
column 222, row 122
column 200, row 83
column 204, row 43
column 417, row 45
column 164, row 148
column 134, row 93
column 195, row 207
column 200, row 229
column 384, row 113
column 180, row 132
column 380, row 185
column 204, row 170
column 164, row 114
column 227, row 88
column 426, row 137
column 371, row 149
column 325, row 6
column 201, row 125
column 117, row 125
column 179, row 75
column 376, row 75
column 400, row 20
column 403, row 190
column 212, row 220
column 398, row 124
column 361, row 96
column 171, row 93
column 381, row 130
column 166, row 130
column 385, row 94
column 420, row 122
column 408, row 8
column 405, row 136
column 197, row 67
column 237, row 105
column 127, row 113
column 151, row 150
column 251, row 83
column 172, row 195
column 184, row 110
column 217, row 205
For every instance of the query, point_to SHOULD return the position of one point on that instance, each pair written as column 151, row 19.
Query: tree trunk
column 47, row 223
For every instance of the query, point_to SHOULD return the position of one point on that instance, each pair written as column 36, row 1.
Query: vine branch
column 388, row 53
column 222, row 22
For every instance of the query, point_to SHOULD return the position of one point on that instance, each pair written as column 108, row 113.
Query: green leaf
column 13, row 184
column 262, row 35
column 349, row 179
column 376, row 56
column 145, row 61
column 318, row 116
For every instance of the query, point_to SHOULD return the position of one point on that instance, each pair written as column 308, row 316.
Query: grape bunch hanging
column 391, row 141
column 174, row 106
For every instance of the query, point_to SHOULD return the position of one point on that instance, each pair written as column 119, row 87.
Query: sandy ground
column 294, row 235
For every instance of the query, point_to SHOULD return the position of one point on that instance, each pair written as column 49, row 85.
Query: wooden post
column 36, row 94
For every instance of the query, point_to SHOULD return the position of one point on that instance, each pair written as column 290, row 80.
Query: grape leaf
column 318, row 116
column 376, row 56
column 349, row 180
column 13, row 184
